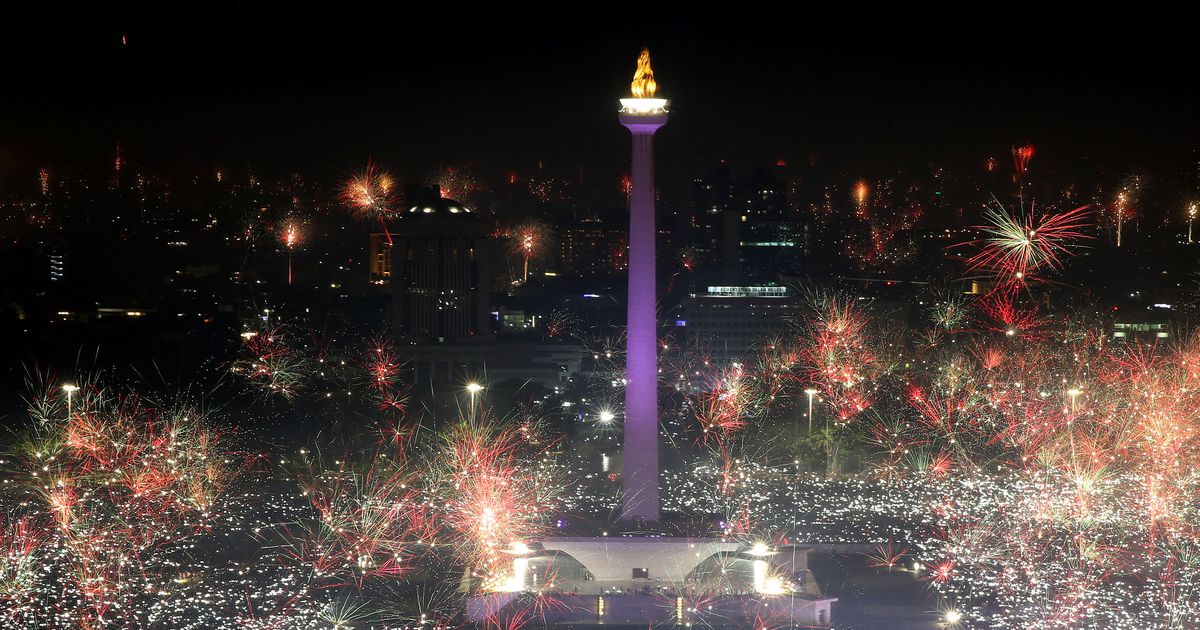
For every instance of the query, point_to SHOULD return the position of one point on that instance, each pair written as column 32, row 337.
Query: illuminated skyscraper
column 381, row 258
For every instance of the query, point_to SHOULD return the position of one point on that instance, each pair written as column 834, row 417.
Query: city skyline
column 439, row 324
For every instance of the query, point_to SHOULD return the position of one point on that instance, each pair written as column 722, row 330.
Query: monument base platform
column 648, row 581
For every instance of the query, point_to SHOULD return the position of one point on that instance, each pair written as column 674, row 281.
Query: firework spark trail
column 887, row 555
column 737, row 397
column 291, row 236
column 688, row 260
column 722, row 412
column 1125, row 203
column 777, row 358
column 949, row 312
column 878, row 235
column 618, row 253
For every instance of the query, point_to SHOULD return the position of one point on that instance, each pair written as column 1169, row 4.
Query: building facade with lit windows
column 729, row 321
column 591, row 247
column 1153, row 324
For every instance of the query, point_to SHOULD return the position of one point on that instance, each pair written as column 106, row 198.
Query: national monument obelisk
column 643, row 565
column 642, row 114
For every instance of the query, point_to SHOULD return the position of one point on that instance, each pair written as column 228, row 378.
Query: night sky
column 231, row 85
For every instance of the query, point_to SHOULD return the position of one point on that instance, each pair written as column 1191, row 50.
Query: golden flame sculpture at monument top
column 643, row 85
column 643, row 88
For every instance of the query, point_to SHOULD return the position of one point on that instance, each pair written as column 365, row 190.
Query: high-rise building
column 381, row 259
column 743, row 228
column 590, row 247
column 440, row 273
column 717, row 224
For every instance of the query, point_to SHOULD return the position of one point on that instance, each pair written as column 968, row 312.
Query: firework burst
column 1021, row 157
column 371, row 195
column 1014, row 247
column 271, row 360
column 291, row 236
column 458, row 183
column 529, row 240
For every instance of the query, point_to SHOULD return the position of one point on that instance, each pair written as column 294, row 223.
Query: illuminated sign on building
column 761, row 292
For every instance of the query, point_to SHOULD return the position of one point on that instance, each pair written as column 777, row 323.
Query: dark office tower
column 744, row 229
column 440, row 271
column 715, row 222
column 770, row 245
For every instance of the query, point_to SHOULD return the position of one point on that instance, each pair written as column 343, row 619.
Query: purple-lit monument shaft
column 640, row 476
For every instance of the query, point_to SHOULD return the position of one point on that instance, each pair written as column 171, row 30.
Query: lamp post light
column 473, row 389
column 811, row 392
column 1074, row 393
column 70, row 389
column 606, row 416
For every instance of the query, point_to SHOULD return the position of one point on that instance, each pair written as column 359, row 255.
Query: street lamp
column 1074, row 392
column 70, row 389
column 473, row 389
column 811, row 392
column 606, row 416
